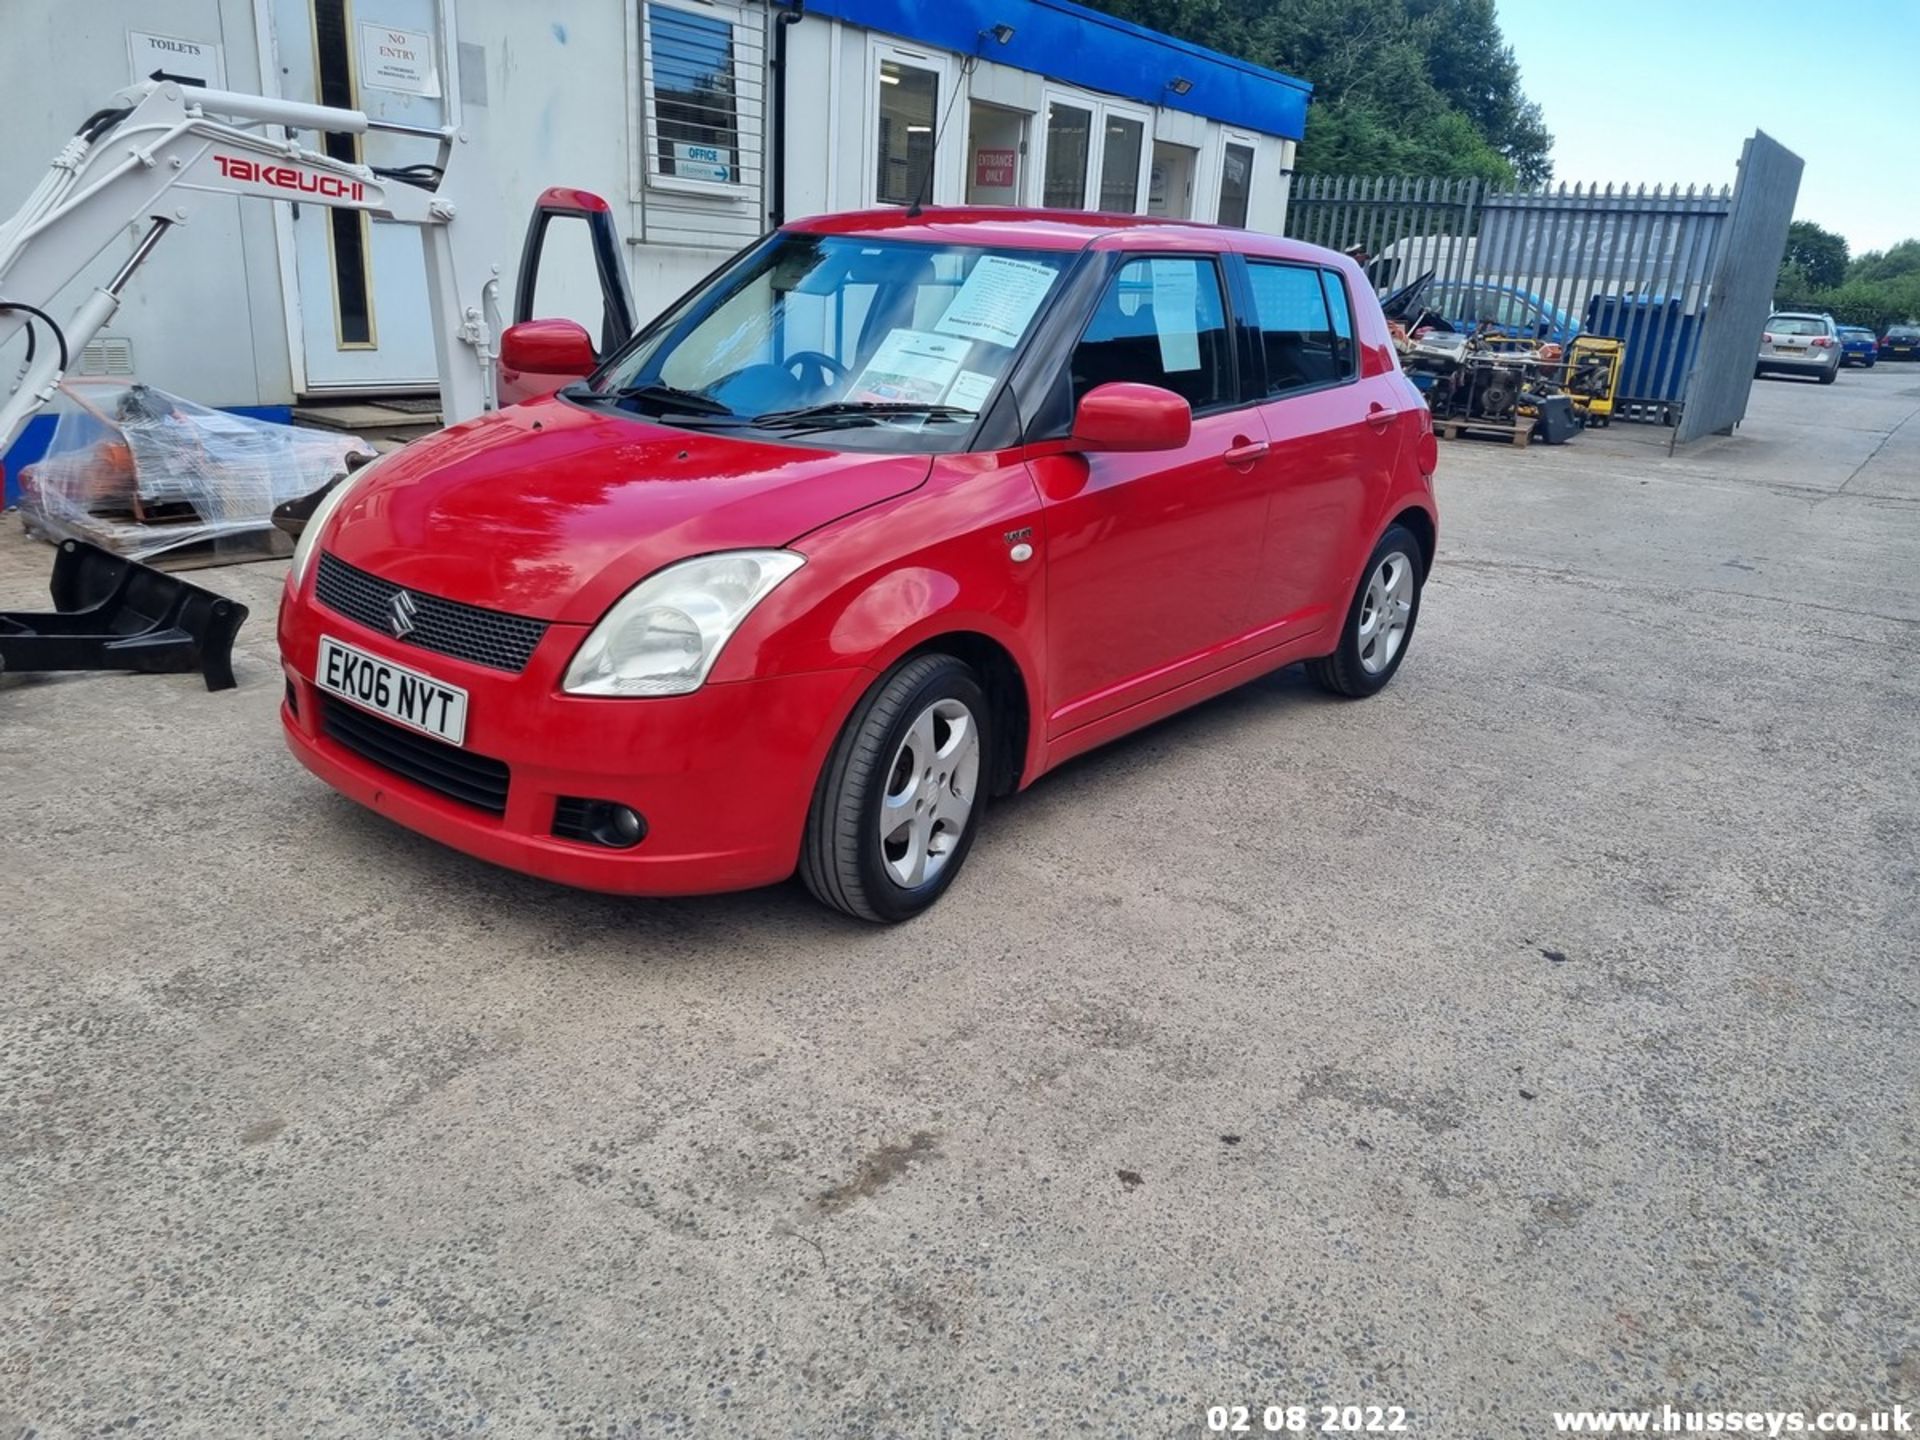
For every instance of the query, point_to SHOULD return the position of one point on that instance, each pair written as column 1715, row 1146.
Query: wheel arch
column 1008, row 691
column 1417, row 520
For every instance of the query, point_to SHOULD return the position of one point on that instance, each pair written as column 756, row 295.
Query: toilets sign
column 398, row 60
column 169, row 57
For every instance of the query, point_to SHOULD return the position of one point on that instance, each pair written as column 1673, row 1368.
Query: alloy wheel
column 1385, row 612
column 931, row 787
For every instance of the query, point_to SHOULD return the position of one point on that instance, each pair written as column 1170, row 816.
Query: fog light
column 618, row 826
column 598, row 822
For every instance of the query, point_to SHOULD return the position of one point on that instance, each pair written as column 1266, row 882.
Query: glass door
column 1120, row 154
column 996, row 155
column 1069, row 147
column 1170, row 185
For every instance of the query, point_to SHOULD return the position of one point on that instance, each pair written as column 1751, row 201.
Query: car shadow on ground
column 549, row 912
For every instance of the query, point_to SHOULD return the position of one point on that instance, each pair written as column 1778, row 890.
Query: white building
column 702, row 122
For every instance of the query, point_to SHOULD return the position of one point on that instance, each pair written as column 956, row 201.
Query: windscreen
column 1796, row 325
column 848, row 332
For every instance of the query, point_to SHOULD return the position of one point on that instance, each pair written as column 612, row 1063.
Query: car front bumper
column 723, row 776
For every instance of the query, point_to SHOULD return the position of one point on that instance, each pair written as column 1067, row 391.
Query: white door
column 362, row 282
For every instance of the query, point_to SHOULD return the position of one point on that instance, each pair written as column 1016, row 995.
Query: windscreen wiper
column 854, row 412
column 669, row 399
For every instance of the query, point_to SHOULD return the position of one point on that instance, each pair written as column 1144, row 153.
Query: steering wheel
column 828, row 371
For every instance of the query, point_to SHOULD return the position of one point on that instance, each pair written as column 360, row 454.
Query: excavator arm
column 160, row 153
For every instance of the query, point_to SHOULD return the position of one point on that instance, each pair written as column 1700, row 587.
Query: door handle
column 1379, row 416
column 1244, row 451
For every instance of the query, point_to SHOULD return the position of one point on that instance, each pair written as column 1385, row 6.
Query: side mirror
column 1128, row 416
column 548, row 347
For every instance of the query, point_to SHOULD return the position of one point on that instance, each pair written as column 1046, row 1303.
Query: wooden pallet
column 118, row 535
column 1517, row 432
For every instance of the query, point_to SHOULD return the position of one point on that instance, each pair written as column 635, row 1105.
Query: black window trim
column 1327, row 273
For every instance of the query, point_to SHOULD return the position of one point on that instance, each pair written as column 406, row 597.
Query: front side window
column 909, row 100
column 883, row 342
column 1161, row 322
column 1236, row 185
column 695, row 116
column 1298, row 335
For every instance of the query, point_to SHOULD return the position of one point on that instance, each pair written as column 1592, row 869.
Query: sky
column 1666, row 90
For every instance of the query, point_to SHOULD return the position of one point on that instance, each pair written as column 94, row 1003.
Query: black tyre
column 896, row 808
column 1379, row 624
column 1830, row 376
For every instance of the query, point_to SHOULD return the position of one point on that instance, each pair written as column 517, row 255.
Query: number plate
column 404, row 696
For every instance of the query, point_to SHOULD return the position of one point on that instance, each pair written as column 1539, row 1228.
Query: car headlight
column 662, row 636
column 309, row 540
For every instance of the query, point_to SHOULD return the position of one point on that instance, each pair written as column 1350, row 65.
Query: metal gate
column 1744, row 273
column 1647, row 265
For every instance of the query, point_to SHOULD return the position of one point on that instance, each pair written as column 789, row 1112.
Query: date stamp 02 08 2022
column 1305, row 1419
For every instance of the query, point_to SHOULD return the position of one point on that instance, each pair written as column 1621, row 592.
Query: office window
column 909, row 100
column 1236, row 183
column 1302, row 342
column 1161, row 322
column 1069, row 135
column 693, row 97
column 1120, row 165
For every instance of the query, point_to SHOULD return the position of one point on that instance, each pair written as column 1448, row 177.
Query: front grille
column 475, row 780
column 466, row 632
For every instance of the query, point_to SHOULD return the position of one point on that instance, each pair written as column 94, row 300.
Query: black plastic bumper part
column 112, row 613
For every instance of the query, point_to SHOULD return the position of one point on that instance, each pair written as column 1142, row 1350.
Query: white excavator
column 153, row 159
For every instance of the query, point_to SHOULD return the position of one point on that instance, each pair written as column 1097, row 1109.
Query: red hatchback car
column 893, row 513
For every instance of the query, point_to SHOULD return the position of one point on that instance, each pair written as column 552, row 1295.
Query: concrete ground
column 1540, row 1034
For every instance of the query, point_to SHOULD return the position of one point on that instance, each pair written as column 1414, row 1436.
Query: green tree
column 1408, row 87
column 1894, row 264
column 1818, row 254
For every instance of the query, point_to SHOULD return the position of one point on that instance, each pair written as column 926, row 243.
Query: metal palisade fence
column 1648, row 265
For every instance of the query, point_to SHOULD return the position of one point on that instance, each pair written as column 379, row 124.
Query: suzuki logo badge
column 401, row 614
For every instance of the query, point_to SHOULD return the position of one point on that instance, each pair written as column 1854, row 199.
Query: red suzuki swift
column 894, row 513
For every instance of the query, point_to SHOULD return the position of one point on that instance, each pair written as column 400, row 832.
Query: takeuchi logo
column 286, row 177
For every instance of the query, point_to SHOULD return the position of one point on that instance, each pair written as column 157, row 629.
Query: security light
column 1180, row 85
column 1001, row 34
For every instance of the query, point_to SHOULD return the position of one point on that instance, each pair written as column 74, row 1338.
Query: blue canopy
column 1083, row 47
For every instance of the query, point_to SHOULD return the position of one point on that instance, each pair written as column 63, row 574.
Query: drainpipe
column 790, row 14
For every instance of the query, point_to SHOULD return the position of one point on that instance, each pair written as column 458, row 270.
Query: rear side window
column 1161, row 322
column 1306, row 327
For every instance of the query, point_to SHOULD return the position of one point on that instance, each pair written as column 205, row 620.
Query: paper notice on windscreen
column 1176, row 313
column 911, row 366
column 998, row 300
column 970, row 390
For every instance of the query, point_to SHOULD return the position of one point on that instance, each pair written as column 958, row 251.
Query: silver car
column 1797, row 343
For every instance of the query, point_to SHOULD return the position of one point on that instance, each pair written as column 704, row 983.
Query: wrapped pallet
column 142, row 472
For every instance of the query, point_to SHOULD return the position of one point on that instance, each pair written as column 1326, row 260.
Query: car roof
column 1016, row 228
column 1799, row 315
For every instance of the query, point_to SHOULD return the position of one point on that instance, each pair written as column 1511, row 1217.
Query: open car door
column 566, row 273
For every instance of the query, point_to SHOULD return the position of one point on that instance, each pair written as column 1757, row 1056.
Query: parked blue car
column 1858, row 346
column 1475, row 307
